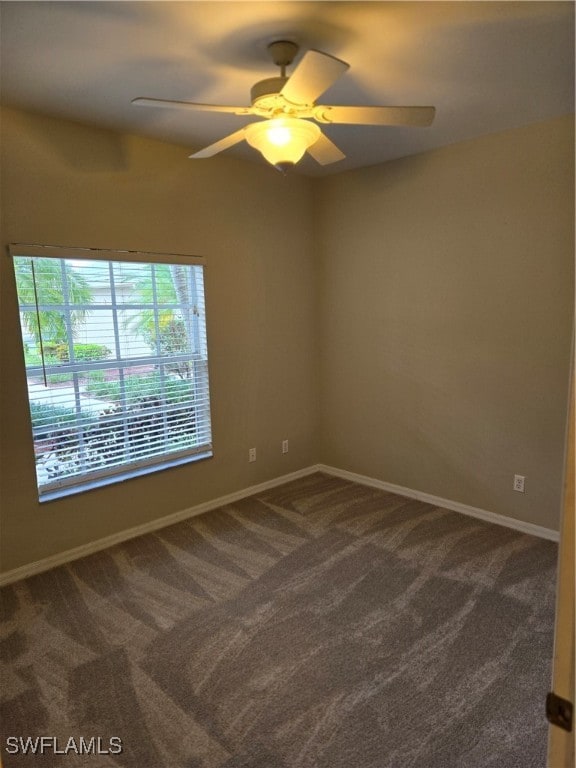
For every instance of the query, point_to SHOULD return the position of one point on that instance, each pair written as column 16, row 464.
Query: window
column 116, row 363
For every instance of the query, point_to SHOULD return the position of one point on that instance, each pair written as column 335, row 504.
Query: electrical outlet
column 519, row 483
column 284, row 446
column 252, row 454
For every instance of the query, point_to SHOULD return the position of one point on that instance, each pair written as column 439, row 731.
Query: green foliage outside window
column 44, row 285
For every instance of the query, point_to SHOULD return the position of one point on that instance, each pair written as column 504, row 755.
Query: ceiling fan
column 288, row 105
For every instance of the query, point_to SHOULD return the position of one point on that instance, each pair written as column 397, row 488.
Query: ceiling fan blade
column 324, row 151
column 315, row 73
column 410, row 116
column 146, row 102
column 219, row 146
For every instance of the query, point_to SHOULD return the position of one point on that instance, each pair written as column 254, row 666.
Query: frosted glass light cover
column 282, row 140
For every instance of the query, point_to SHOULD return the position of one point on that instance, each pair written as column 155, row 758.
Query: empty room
column 287, row 329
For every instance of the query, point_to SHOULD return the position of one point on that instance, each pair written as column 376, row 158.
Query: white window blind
column 116, row 363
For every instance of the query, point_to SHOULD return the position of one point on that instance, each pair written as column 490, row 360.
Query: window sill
column 121, row 477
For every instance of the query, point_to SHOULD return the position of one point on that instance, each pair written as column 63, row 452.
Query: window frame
column 118, row 473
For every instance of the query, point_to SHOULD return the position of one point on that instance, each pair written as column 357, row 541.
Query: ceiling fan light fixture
column 282, row 140
column 288, row 106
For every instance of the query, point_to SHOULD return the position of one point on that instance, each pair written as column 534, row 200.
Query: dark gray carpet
column 321, row 624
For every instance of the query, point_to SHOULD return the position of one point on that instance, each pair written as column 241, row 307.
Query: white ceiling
column 485, row 66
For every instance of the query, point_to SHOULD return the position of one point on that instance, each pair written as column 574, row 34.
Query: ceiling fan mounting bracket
column 283, row 52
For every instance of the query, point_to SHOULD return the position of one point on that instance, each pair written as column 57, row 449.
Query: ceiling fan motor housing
column 266, row 93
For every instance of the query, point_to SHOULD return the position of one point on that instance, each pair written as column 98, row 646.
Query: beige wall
column 447, row 300
column 410, row 322
column 66, row 184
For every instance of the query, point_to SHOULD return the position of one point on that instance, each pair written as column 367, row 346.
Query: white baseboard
column 456, row 506
column 31, row 569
